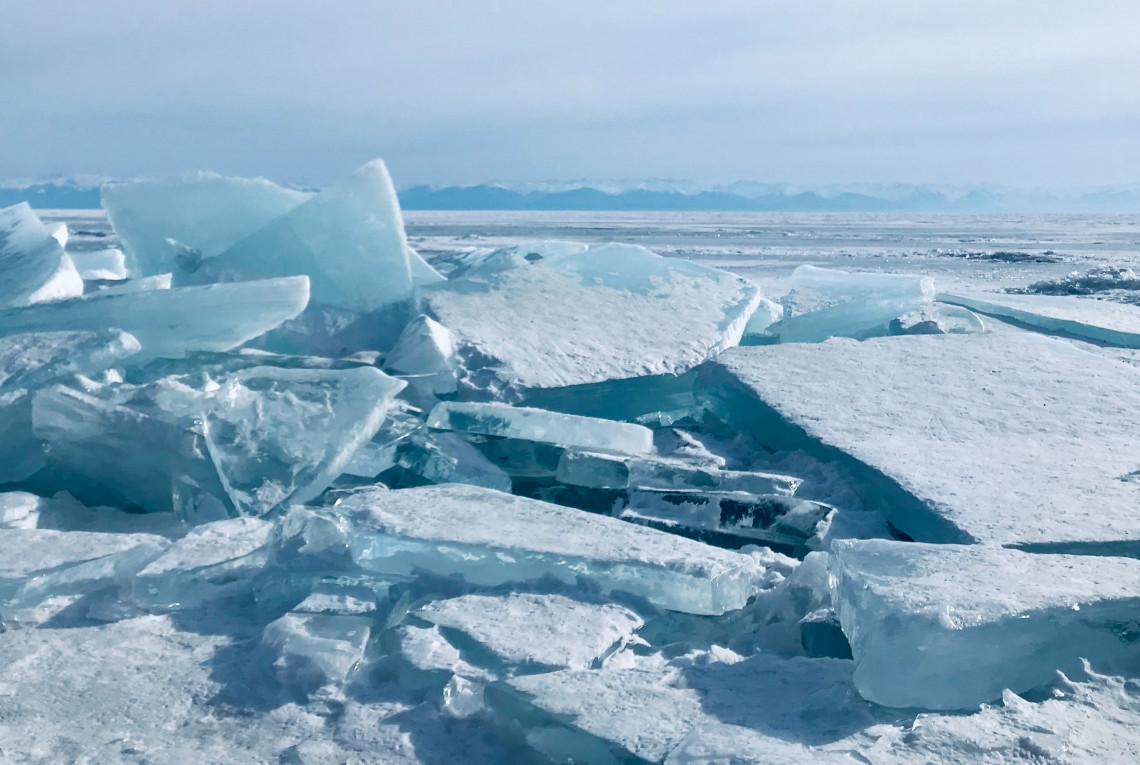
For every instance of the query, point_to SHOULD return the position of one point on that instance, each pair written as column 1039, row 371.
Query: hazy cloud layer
column 1018, row 92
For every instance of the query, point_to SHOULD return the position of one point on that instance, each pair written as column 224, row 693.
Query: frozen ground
column 723, row 570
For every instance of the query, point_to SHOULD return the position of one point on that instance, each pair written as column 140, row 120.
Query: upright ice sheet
column 204, row 212
column 33, row 264
column 348, row 239
column 607, row 312
column 491, row 538
column 540, row 425
column 951, row 627
column 1007, row 438
column 172, row 323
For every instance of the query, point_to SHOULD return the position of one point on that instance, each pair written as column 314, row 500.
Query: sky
column 1042, row 93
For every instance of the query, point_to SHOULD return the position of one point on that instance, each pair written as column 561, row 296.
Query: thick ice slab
column 609, row 312
column 348, row 239
column 608, row 470
column 34, row 266
column 172, row 323
column 491, row 538
column 950, row 626
column 425, row 349
column 283, row 435
column 1098, row 321
column 524, row 628
column 313, row 650
column 825, row 303
column 212, row 561
column 1009, row 438
column 36, row 564
column 540, row 425
column 100, row 265
column 204, row 212
column 447, row 458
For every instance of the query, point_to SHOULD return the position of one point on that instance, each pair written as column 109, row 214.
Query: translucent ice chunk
column 214, row 560
column 119, row 453
column 1098, row 321
column 314, row 650
column 34, row 266
column 349, row 240
column 60, row 233
column 447, row 458
column 523, row 628
column 462, row 698
column 422, row 272
column 425, row 348
column 283, row 435
column 203, row 211
column 507, row 421
column 100, row 265
column 950, row 627
column 767, row 314
column 606, row 312
column 605, row 470
column 827, row 303
column 938, row 319
column 36, row 564
column 491, row 538
column 172, row 323
column 20, row 510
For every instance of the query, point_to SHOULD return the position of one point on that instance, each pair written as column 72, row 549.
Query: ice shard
column 205, row 212
column 533, row 629
column 34, row 266
column 426, row 350
column 100, row 265
column 20, row 510
column 607, row 312
column 610, row 470
column 503, row 420
column 1003, row 438
column 314, row 650
column 491, row 538
column 1097, row 321
column 172, row 323
column 37, row 564
column 349, row 240
column 283, row 435
column 951, row 627
column 825, row 303
column 213, row 561
column 938, row 319
column 447, row 458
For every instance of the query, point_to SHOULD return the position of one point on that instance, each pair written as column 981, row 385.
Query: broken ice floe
column 1096, row 321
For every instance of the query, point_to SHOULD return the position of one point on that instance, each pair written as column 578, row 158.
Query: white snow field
column 301, row 478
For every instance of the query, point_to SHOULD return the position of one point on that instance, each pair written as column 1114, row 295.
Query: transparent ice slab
column 213, row 561
column 283, row 435
column 938, row 319
column 525, row 628
column 951, row 627
column 34, row 266
column 608, row 312
column 490, row 538
column 100, row 265
column 314, row 650
column 36, row 564
column 172, row 323
column 492, row 419
column 608, row 470
column 825, row 303
column 349, row 240
column 204, row 212
column 447, row 458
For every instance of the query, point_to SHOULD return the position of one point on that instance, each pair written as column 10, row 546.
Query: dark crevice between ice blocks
column 743, row 410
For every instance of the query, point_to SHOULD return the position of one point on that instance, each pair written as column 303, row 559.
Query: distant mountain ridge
column 681, row 196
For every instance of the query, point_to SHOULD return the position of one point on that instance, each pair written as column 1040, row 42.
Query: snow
column 1008, row 438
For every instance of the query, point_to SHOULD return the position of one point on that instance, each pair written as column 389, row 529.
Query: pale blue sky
column 975, row 91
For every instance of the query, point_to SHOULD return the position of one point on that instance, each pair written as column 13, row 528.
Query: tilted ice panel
column 34, row 266
column 491, row 538
column 491, row 419
column 349, row 240
column 204, row 212
column 610, row 312
column 1098, row 321
column 1007, row 438
column 172, row 323
column 606, row 470
column 951, row 626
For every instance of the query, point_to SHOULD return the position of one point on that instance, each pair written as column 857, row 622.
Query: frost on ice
column 567, row 522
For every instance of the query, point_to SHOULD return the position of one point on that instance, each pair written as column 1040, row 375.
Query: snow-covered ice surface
column 463, row 582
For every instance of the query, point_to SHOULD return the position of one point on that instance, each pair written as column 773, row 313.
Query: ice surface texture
column 1097, row 321
column 602, row 313
column 1008, row 438
column 950, row 627
column 491, row 538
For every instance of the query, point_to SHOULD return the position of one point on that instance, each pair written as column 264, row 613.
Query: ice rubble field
column 276, row 488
